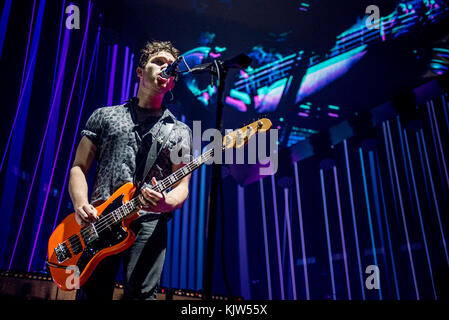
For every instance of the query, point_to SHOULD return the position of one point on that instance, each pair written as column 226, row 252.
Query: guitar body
column 82, row 250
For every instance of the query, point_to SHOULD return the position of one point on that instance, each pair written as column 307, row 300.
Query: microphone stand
column 221, row 72
column 219, row 69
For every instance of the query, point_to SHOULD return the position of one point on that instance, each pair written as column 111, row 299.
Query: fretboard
column 130, row 207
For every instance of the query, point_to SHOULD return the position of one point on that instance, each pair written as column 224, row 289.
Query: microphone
column 172, row 69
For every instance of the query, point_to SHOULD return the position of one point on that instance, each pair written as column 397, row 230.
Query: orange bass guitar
column 75, row 251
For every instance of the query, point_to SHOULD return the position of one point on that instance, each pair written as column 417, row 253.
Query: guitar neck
column 183, row 172
column 130, row 207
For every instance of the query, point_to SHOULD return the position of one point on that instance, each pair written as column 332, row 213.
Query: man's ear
column 139, row 72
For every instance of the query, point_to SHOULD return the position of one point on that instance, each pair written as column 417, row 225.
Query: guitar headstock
column 238, row 138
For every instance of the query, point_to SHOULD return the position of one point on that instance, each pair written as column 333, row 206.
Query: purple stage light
column 301, row 229
column 368, row 210
column 124, row 76
column 112, row 76
column 354, row 222
column 34, row 45
column 28, row 47
column 437, row 134
column 265, row 240
column 328, row 240
column 423, row 232
column 290, row 244
column 130, row 72
column 278, row 241
column 387, row 227
column 420, row 138
column 342, row 233
column 387, row 133
column 75, row 135
column 61, row 134
column 243, row 250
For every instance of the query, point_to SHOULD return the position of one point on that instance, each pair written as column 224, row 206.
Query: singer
column 132, row 142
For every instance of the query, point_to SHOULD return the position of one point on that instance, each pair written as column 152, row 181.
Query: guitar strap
column 154, row 152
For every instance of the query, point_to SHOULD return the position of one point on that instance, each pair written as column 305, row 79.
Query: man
column 120, row 139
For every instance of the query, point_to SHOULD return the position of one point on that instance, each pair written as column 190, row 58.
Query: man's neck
column 149, row 100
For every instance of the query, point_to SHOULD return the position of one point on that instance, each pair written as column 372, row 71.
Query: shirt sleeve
column 184, row 146
column 93, row 127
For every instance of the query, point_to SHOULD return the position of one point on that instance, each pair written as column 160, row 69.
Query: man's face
column 151, row 75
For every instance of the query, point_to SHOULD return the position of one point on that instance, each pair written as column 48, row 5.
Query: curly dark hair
column 153, row 47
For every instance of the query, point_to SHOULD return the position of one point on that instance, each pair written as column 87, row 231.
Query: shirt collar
column 166, row 115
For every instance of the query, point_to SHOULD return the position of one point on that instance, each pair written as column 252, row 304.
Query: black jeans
column 142, row 262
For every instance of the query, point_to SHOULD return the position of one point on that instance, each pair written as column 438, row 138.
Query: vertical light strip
column 84, row 44
column 166, row 273
column 376, row 201
column 368, row 210
column 124, row 76
column 176, row 253
column 342, row 233
column 326, row 224
column 201, row 221
column 434, row 140
column 445, row 107
column 96, row 68
column 437, row 208
column 423, row 232
column 28, row 47
column 106, row 78
column 265, row 240
column 278, row 241
column 136, row 86
column 21, row 92
column 245, row 289
column 398, row 121
column 398, row 187
column 387, row 226
column 130, row 72
column 4, row 23
column 184, row 245
column 284, row 256
column 437, row 131
column 193, row 227
column 83, row 63
column 424, row 174
column 75, row 134
column 290, row 244
column 26, row 94
column 354, row 222
column 112, row 76
column 52, row 123
column 301, row 230
column 57, row 50
column 36, row 167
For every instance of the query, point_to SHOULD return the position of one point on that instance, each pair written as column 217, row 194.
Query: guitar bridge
column 62, row 252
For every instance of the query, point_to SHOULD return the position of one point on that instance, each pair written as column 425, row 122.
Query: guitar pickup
column 75, row 244
column 89, row 234
column 62, row 252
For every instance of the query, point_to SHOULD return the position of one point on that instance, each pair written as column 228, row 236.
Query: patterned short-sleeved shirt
column 113, row 131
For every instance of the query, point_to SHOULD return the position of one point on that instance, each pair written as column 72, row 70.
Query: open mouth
column 160, row 79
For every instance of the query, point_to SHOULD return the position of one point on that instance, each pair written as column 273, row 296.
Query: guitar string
column 105, row 222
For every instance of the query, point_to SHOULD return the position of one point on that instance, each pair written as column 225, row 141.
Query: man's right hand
column 85, row 214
